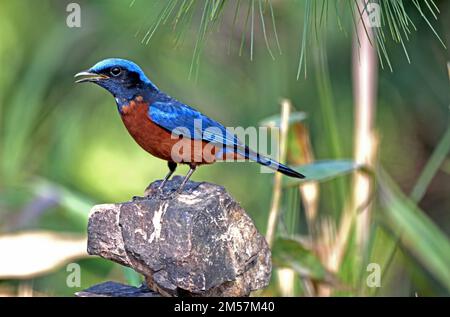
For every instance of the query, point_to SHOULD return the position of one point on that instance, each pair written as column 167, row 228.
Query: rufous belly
column 160, row 142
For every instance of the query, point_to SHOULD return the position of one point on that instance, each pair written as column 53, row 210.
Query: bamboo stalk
column 285, row 276
column 309, row 191
column 365, row 74
column 277, row 186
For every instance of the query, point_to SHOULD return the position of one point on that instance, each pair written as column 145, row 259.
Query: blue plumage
column 118, row 62
column 128, row 83
column 181, row 119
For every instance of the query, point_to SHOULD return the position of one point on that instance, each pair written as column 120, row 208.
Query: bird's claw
column 168, row 196
column 173, row 194
column 161, row 194
column 137, row 198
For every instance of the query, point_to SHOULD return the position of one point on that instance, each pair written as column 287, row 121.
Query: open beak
column 87, row 76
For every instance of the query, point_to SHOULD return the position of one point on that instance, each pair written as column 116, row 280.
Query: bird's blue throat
column 124, row 100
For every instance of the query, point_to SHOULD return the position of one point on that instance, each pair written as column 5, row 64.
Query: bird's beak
column 88, row 76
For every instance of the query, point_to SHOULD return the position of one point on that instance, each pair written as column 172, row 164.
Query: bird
column 167, row 128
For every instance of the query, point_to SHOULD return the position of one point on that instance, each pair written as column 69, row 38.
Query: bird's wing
column 183, row 120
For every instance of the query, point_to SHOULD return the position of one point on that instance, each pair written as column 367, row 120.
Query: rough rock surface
column 197, row 243
column 113, row 289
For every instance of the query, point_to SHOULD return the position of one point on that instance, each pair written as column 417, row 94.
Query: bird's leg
column 172, row 167
column 186, row 178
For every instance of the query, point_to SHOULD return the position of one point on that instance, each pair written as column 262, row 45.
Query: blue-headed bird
column 166, row 127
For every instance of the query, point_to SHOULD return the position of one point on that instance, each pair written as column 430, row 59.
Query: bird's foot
column 158, row 190
column 138, row 198
column 159, row 193
column 165, row 195
column 149, row 193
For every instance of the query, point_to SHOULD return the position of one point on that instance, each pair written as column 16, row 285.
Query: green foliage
column 435, row 161
column 322, row 171
column 395, row 20
column 417, row 232
column 65, row 144
column 290, row 253
column 275, row 120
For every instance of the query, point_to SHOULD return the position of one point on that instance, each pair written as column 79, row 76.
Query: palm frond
column 393, row 15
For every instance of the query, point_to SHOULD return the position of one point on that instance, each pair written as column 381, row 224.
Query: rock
column 113, row 289
column 197, row 243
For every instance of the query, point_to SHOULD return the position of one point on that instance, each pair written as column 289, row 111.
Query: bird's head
column 122, row 78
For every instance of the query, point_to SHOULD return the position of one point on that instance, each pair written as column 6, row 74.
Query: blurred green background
column 64, row 148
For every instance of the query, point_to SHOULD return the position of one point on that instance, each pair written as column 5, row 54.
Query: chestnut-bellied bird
column 167, row 128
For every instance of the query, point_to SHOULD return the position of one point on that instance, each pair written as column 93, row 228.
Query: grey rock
column 113, row 289
column 196, row 243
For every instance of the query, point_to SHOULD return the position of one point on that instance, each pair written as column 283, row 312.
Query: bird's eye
column 115, row 71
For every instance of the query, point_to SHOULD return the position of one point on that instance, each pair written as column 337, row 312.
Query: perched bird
column 167, row 128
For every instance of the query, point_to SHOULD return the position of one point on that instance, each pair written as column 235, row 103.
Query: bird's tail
column 263, row 160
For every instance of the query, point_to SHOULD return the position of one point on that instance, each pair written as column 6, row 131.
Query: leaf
column 290, row 253
column 396, row 22
column 131, row 276
column 418, row 233
column 432, row 166
column 33, row 253
column 75, row 204
column 321, row 171
column 275, row 120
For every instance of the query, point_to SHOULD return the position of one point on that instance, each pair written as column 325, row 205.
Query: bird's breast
column 160, row 142
column 150, row 136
